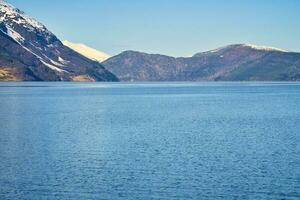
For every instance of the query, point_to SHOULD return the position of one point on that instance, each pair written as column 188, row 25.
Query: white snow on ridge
column 252, row 46
column 88, row 52
column 215, row 50
column 264, row 48
column 18, row 17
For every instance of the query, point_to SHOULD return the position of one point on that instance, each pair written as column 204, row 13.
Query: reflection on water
column 149, row 141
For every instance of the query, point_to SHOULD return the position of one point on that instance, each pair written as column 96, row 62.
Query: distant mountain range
column 239, row 62
column 30, row 52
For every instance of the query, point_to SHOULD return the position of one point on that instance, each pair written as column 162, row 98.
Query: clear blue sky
column 172, row 27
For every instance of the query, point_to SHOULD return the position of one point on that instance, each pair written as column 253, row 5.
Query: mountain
column 238, row 62
column 30, row 52
column 87, row 51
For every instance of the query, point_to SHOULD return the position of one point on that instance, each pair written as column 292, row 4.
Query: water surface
column 149, row 141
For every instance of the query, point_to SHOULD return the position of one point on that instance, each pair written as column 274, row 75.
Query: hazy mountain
column 87, row 51
column 29, row 51
column 239, row 62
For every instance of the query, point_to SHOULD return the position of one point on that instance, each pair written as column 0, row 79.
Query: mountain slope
column 88, row 52
column 137, row 66
column 30, row 52
column 239, row 62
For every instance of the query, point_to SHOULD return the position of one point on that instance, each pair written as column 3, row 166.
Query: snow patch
column 14, row 35
column 56, row 63
column 45, row 63
column 252, row 46
column 264, row 48
column 61, row 60
column 53, row 67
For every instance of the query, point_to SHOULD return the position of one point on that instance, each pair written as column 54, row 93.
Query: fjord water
column 149, row 141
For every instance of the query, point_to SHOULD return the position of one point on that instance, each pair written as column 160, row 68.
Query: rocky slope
column 239, row 62
column 30, row 52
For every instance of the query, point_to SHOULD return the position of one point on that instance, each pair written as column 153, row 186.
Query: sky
column 171, row 27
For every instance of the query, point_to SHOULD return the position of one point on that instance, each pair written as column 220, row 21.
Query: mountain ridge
column 225, row 63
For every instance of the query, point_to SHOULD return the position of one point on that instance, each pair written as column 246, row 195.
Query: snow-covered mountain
column 29, row 51
column 87, row 51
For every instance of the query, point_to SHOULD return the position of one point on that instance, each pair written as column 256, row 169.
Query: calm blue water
column 149, row 141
